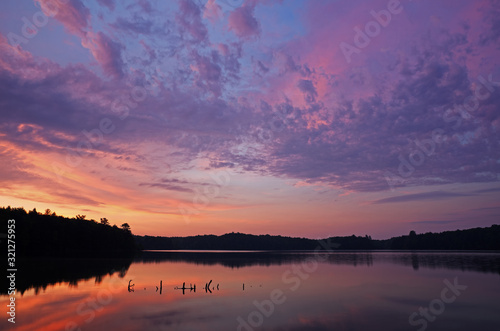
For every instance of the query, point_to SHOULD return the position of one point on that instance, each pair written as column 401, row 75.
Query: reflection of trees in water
column 414, row 260
column 38, row 274
column 470, row 261
column 465, row 261
column 226, row 259
column 361, row 258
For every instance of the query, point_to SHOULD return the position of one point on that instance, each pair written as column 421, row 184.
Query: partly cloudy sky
column 294, row 117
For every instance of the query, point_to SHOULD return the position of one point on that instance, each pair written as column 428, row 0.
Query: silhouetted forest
column 241, row 241
column 230, row 241
column 47, row 234
column 471, row 239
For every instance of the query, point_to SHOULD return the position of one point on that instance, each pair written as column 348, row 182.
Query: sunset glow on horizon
column 294, row 117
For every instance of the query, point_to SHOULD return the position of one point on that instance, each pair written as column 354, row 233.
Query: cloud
column 243, row 23
column 168, row 187
column 190, row 20
column 352, row 129
column 487, row 209
column 65, row 100
column 221, row 164
column 175, row 185
column 110, row 4
column 435, row 222
column 209, row 73
column 72, row 14
column 75, row 17
column 284, row 105
column 488, row 190
column 434, row 195
column 137, row 25
column 353, row 141
column 212, row 11
column 491, row 32
column 107, row 52
column 307, row 87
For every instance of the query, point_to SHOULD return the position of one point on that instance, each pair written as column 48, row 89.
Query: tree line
column 470, row 239
column 47, row 234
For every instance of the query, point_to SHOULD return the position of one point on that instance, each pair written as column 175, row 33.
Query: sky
column 298, row 118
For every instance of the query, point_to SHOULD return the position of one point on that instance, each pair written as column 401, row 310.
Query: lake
column 245, row 291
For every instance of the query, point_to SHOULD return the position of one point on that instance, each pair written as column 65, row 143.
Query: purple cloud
column 108, row 53
column 192, row 89
column 243, row 22
column 110, row 4
column 434, row 195
column 189, row 19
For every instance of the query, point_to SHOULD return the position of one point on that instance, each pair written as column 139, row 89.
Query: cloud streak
column 434, row 195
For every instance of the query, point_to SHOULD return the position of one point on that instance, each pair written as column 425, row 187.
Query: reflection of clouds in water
column 166, row 319
column 68, row 273
column 63, row 301
column 349, row 291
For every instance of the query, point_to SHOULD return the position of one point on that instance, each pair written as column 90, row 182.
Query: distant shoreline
column 475, row 239
column 51, row 235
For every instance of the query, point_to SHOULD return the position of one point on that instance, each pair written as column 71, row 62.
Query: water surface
column 261, row 291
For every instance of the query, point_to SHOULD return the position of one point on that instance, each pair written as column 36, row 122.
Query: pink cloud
column 243, row 22
column 72, row 14
column 212, row 11
column 76, row 19
column 18, row 62
column 107, row 52
column 189, row 19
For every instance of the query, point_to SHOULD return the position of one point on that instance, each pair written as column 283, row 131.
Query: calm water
column 282, row 291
